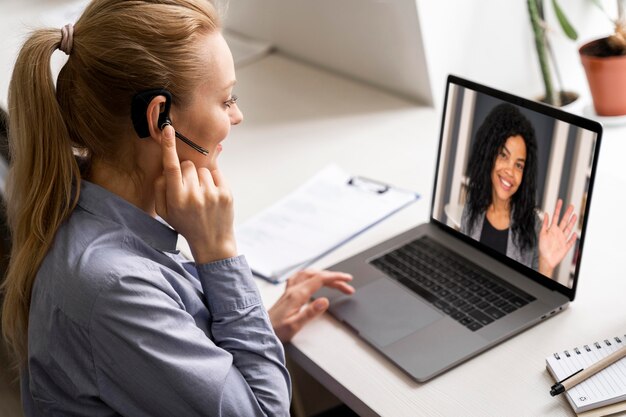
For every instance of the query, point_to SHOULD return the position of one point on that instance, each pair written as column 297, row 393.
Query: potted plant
column 555, row 96
column 604, row 61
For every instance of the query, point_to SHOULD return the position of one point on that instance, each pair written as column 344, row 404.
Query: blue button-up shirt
column 122, row 324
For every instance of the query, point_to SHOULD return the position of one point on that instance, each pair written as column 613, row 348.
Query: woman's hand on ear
column 289, row 314
column 556, row 238
column 197, row 203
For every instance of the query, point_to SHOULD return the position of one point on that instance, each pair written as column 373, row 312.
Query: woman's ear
column 154, row 110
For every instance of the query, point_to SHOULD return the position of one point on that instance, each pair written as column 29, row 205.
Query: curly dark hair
column 502, row 122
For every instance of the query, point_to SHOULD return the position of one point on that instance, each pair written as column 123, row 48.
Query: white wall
column 18, row 19
column 491, row 42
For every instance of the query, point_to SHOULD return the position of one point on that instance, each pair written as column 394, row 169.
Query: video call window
column 504, row 167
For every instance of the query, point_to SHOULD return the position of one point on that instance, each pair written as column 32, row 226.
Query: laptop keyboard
column 459, row 288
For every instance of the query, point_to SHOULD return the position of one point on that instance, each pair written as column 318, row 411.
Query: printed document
column 322, row 214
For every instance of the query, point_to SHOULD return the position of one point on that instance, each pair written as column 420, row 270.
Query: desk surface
column 299, row 119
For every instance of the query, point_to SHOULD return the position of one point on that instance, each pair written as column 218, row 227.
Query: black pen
column 579, row 376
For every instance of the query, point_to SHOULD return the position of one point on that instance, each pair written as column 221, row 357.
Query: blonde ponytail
column 39, row 186
column 119, row 48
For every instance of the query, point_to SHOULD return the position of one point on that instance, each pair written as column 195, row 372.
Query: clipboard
column 324, row 213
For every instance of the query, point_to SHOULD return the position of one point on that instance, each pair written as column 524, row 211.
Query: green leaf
column 569, row 30
column 539, row 4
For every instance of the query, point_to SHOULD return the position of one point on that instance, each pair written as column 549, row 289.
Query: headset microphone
column 139, row 107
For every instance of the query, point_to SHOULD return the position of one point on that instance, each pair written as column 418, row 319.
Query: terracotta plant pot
column 568, row 98
column 606, row 75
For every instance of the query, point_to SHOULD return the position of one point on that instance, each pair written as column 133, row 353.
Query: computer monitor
column 377, row 42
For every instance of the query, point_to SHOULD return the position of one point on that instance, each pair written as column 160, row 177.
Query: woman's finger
column 332, row 279
column 341, row 286
column 218, row 178
column 171, row 165
column 334, row 275
column 308, row 313
column 205, row 178
column 571, row 241
column 302, row 276
column 189, row 175
column 567, row 217
column 570, row 225
column 309, row 281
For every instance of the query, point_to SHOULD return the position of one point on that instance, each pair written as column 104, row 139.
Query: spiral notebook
column 606, row 387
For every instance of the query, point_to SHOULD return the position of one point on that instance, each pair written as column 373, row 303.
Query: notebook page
column 320, row 215
column 606, row 387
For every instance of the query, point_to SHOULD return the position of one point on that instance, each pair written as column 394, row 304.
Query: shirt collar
column 101, row 202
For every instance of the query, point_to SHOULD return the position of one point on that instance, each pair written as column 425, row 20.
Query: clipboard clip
column 368, row 185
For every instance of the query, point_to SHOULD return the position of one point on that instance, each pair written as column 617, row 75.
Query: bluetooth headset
column 138, row 110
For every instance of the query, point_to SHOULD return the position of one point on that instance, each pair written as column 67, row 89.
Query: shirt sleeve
column 152, row 360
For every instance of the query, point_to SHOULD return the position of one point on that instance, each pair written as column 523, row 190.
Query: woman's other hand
column 197, row 203
column 556, row 238
column 288, row 315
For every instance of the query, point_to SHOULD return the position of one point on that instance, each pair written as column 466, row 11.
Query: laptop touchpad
column 383, row 312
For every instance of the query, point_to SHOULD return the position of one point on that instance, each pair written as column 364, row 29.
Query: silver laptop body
column 426, row 328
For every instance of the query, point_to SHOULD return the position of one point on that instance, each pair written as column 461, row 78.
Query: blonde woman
column 105, row 317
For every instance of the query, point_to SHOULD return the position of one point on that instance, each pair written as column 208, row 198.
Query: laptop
column 444, row 291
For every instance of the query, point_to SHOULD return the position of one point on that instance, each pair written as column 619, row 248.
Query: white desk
column 297, row 120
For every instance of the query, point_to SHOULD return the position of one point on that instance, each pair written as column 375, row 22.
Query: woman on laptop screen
column 500, row 211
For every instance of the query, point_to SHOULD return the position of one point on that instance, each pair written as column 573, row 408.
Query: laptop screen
column 515, row 177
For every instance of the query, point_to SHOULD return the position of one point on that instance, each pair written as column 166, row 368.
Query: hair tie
column 67, row 38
